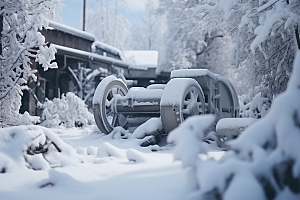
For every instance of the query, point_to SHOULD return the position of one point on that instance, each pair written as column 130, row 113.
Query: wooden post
column 83, row 18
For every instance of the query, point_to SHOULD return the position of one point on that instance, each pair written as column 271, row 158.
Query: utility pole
column 83, row 19
column 116, row 12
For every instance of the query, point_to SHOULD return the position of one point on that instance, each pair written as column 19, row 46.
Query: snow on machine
column 189, row 92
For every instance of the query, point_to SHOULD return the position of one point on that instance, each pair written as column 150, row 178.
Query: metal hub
column 113, row 117
column 192, row 104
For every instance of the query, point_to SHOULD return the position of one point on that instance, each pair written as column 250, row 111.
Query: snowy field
column 91, row 165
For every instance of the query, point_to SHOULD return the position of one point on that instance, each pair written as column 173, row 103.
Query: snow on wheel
column 107, row 93
column 182, row 98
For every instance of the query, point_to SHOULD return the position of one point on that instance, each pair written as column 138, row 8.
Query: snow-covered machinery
column 189, row 92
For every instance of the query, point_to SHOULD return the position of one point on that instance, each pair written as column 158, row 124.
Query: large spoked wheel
column 182, row 98
column 104, row 101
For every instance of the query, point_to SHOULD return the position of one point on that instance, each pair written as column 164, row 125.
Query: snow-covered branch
column 22, row 21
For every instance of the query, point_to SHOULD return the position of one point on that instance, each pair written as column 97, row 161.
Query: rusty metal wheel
column 182, row 98
column 105, row 97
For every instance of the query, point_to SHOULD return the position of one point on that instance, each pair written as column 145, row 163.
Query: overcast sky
column 72, row 10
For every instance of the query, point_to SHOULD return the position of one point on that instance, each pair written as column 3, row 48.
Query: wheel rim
column 111, row 117
column 192, row 104
column 188, row 101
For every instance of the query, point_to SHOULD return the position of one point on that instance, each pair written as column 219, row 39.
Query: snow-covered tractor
column 189, row 92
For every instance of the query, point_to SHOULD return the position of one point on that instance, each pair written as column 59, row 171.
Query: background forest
column 252, row 43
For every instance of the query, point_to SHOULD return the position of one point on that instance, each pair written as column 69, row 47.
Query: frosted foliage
column 264, row 161
column 257, row 108
column 9, row 107
column 106, row 25
column 148, row 35
column 69, row 111
column 215, row 56
column 21, row 40
column 185, row 35
column 264, row 36
column 27, row 119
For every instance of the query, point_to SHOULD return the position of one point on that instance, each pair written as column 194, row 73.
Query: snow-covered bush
column 69, row 111
column 257, row 108
column 22, row 43
column 33, row 147
column 27, row 119
column 264, row 161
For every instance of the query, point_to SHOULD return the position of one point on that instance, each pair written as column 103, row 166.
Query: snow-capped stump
column 34, row 147
column 230, row 128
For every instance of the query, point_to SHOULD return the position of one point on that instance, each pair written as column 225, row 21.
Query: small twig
column 57, row 148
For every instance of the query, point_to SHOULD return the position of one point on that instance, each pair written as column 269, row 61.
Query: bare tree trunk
column 1, row 29
column 297, row 37
column 150, row 45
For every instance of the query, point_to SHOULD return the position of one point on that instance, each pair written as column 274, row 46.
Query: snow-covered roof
column 141, row 59
column 92, row 55
column 71, row 30
column 106, row 47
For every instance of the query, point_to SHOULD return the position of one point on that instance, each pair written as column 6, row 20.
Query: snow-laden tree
column 266, row 35
column 264, row 161
column 216, row 50
column 22, row 44
column 107, row 25
column 148, row 34
column 187, row 32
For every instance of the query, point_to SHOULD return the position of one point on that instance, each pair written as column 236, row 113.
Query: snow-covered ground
column 91, row 165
